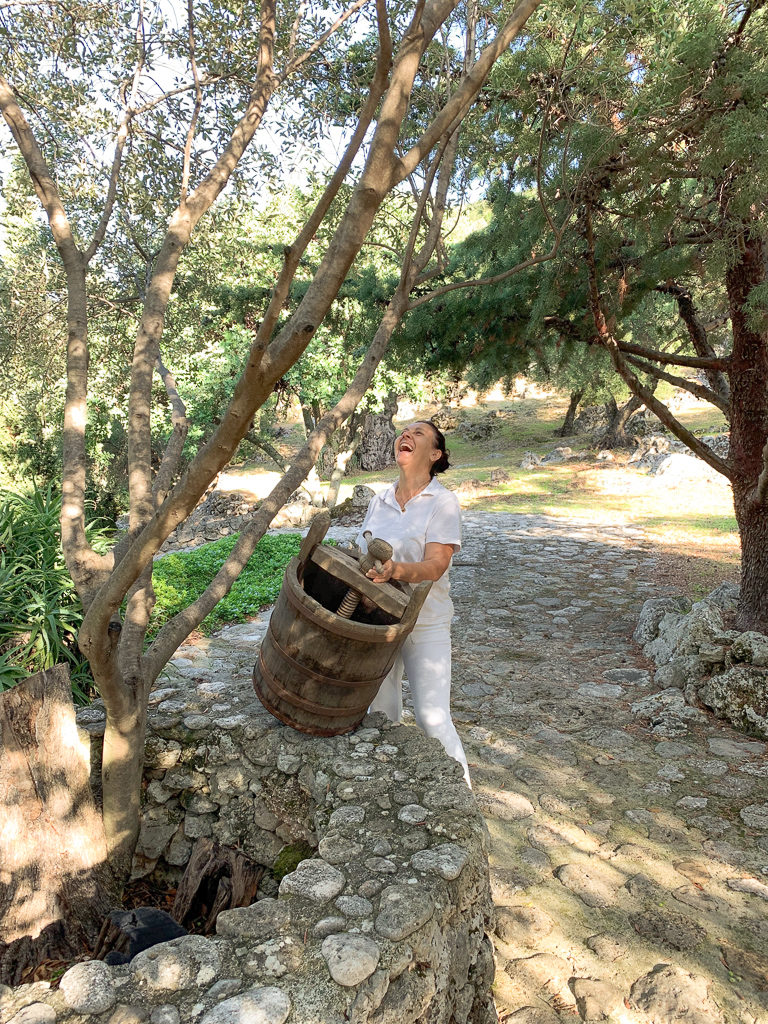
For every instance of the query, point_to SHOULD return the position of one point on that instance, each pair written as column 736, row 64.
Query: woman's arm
column 437, row 558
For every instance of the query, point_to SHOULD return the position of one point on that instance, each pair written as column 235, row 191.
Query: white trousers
column 426, row 658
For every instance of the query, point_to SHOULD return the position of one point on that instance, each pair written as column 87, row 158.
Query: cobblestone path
column 628, row 832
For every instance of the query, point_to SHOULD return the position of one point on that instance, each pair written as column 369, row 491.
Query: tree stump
column 216, row 878
column 55, row 883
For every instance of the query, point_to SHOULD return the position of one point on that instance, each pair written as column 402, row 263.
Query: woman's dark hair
column 439, row 465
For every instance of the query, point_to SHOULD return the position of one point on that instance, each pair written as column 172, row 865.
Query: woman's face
column 415, row 447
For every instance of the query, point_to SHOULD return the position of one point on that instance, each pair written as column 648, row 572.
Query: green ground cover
column 181, row 577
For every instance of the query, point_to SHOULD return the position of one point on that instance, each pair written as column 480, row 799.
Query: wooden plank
column 317, row 530
column 346, row 569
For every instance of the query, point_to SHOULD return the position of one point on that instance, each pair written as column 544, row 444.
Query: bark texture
column 216, row 878
column 567, row 428
column 749, row 430
column 616, row 435
column 55, row 885
column 376, row 449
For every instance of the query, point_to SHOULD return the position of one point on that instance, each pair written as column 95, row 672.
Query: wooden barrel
column 317, row 671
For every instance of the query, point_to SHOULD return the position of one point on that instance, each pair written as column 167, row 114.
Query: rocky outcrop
column 697, row 653
column 481, row 429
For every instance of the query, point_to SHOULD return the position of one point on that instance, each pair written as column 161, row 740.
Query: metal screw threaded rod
column 378, row 551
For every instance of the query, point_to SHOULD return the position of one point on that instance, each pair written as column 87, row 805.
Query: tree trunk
column 376, row 450
column 353, row 436
column 749, row 428
column 616, row 435
column 753, row 531
column 55, row 885
column 567, row 428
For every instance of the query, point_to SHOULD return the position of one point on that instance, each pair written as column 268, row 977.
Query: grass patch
column 180, row 578
column 696, row 523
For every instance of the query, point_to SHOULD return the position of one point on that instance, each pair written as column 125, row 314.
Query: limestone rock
column 175, row 965
column 542, row 971
column 670, row 994
column 534, row 1015
column 350, row 958
column 166, row 1014
column 34, row 1013
column 261, row 1005
column 653, row 611
column 412, row 814
column 89, row 987
column 261, row 920
column 354, row 906
column 596, row 999
column 666, row 926
column 739, row 695
column 753, row 886
column 335, row 849
column 403, row 909
column 606, row 947
column 349, row 815
column 588, row 883
column 506, row 806
column 679, row 470
column 314, row 880
column 446, row 860
column 755, row 815
column 753, row 967
column 525, row 926
column 725, row 596
column 125, row 1014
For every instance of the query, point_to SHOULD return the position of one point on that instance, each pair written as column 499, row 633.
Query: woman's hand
column 436, row 561
column 384, row 574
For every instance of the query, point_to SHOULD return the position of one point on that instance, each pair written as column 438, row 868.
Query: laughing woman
column 422, row 522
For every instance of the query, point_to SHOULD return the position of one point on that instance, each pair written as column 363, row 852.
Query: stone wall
column 385, row 923
column 703, row 660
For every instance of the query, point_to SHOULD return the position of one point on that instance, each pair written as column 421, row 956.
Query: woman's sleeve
column 444, row 526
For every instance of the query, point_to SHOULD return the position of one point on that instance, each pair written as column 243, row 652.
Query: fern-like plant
column 40, row 612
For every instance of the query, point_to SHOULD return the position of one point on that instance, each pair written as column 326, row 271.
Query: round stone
column 403, row 909
column 350, row 958
column 167, row 1014
column 447, row 860
column 350, row 815
column 171, row 966
column 263, row 1005
column 335, row 849
column 125, row 1014
column 354, row 906
column 89, row 987
column 314, row 880
column 34, row 1013
column 412, row 814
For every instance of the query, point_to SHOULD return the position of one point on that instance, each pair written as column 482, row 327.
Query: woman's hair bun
column 439, row 465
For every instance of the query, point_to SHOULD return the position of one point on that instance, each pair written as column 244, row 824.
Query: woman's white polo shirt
column 432, row 516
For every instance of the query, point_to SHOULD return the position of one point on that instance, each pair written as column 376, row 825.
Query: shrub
column 40, row 612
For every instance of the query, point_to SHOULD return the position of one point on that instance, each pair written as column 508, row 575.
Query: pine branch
column 705, row 394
